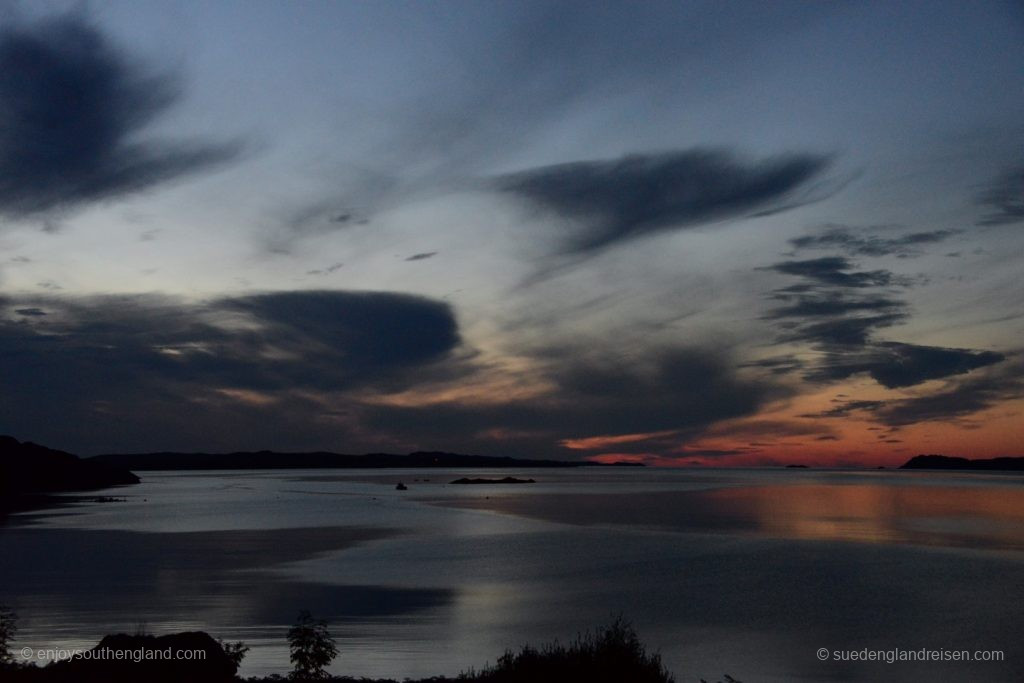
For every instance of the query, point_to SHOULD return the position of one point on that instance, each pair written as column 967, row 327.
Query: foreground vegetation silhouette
column 610, row 655
column 613, row 654
column 312, row 648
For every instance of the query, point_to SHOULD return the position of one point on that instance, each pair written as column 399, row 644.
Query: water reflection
column 964, row 517
column 752, row 570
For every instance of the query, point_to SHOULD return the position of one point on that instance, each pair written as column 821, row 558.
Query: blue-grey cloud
column 639, row 194
column 73, row 109
column 363, row 332
column 846, row 332
column 422, row 256
column 846, row 408
column 833, row 304
column 334, row 267
column 152, row 360
column 895, row 364
column 959, row 398
column 172, row 372
column 683, row 390
column 839, row 310
column 857, row 243
column 836, row 271
column 1004, row 199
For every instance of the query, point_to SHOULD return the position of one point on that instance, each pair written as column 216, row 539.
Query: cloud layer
column 1004, row 199
column 957, row 399
column 838, row 310
column 856, row 243
column 677, row 391
column 102, row 365
column 619, row 199
column 321, row 364
column 72, row 111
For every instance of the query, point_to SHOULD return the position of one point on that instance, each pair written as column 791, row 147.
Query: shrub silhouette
column 613, row 655
column 8, row 627
column 234, row 651
column 312, row 648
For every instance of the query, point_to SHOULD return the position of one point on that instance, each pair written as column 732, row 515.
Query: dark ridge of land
column 505, row 480
column 30, row 472
column 946, row 462
column 260, row 460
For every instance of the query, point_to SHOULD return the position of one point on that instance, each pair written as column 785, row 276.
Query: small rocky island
column 503, row 480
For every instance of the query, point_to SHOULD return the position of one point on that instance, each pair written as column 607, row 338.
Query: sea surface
column 746, row 572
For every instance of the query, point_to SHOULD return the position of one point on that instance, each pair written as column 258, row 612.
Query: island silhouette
column 946, row 462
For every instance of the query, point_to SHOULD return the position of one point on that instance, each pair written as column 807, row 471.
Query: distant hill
column 259, row 460
column 28, row 469
column 945, row 462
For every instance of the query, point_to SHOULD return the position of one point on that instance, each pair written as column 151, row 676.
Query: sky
column 681, row 233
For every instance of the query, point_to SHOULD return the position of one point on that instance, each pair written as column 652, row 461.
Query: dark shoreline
column 946, row 462
column 268, row 460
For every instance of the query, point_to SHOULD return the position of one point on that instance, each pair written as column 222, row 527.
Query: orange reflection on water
column 928, row 515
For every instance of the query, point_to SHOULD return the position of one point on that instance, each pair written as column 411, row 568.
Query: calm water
column 747, row 572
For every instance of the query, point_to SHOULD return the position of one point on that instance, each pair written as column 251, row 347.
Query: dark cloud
column 639, row 194
column 894, row 365
column 777, row 365
column 765, row 429
column 97, row 367
column 835, row 271
column 334, row 267
column 363, row 332
column 1004, row 199
column 854, row 242
column 833, row 305
column 683, row 390
column 847, row 408
column 35, row 312
column 115, row 373
column 72, row 108
column 838, row 310
column 420, row 257
column 959, row 398
column 846, row 332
